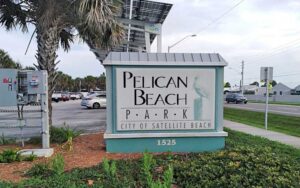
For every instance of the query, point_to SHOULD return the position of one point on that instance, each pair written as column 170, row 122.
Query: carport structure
column 142, row 21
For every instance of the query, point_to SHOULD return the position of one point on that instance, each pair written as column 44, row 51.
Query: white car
column 75, row 96
column 56, row 97
column 95, row 101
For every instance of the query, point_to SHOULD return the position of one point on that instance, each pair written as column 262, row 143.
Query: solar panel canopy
column 143, row 14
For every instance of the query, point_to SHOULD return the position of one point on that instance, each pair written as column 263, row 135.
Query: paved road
column 70, row 113
column 273, row 108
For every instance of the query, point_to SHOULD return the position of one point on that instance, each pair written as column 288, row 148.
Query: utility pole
column 242, row 81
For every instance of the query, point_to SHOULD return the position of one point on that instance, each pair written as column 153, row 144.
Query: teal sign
column 158, row 105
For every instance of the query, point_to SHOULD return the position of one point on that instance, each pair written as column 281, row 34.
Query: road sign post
column 266, row 75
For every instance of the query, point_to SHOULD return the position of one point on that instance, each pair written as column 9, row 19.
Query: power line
column 278, row 48
column 276, row 76
column 273, row 54
column 220, row 17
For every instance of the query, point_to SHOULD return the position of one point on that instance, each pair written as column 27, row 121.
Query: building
column 260, row 91
column 281, row 89
column 250, row 89
column 296, row 91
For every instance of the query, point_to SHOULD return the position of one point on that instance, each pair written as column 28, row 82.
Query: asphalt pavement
column 71, row 114
column 68, row 113
column 273, row 108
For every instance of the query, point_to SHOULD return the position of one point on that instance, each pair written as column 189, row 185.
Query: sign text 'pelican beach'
column 165, row 99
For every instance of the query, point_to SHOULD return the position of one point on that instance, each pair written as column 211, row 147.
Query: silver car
column 95, row 101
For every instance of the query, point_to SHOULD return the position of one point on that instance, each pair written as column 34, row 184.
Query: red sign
column 5, row 80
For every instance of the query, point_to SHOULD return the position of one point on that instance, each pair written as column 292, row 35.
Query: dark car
column 236, row 98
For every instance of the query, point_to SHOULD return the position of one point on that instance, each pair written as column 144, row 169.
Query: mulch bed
column 88, row 150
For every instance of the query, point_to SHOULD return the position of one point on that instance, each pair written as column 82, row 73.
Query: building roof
column 136, row 58
column 281, row 86
column 297, row 88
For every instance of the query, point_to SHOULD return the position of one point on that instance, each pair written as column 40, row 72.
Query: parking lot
column 69, row 113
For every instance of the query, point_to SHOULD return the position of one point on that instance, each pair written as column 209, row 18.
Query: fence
column 21, row 122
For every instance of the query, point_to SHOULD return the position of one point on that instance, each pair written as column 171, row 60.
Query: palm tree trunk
column 48, row 41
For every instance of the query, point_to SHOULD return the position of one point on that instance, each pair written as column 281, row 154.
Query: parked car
column 236, row 98
column 65, row 96
column 75, row 96
column 95, row 101
column 56, row 97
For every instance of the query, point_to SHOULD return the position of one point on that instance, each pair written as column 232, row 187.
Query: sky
column 258, row 32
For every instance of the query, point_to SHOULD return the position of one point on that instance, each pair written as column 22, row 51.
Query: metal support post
column 45, row 121
column 45, row 114
column 147, row 40
column 159, row 40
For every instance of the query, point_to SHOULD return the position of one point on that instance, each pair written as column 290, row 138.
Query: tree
column 6, row 61
column 57, row 22
column 90, row 82
column 227, row 84
column 274, row 83
column 255, row 84
column 64, row 82
column 102, row 81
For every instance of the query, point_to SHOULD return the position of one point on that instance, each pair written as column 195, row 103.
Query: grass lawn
column 280, row 103
column 280, row 123
column 247, row 161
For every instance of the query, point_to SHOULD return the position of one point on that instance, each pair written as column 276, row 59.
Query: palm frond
column 12, row 15
column 66, row 38
column 97, row 14
column 98, row 25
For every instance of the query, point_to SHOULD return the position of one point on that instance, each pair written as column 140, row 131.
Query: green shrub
column 6, row 185
column 148, row 164
column 57, row 164
column 110, row 170
column 247, row 161
column 9, row 156
column 54, row 167
column 30, row 157
column 40, row 170
column 61, row 135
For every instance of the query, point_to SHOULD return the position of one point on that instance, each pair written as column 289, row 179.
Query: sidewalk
column 271, row 135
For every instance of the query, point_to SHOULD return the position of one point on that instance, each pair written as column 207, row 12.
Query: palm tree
column 6, row 61
column 57, row 22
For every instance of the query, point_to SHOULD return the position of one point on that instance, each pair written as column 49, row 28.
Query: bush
column 247, row 161
column 55, row 167
column 61, row 135
column 58, row 164
column 10, row 155
column 40, row 170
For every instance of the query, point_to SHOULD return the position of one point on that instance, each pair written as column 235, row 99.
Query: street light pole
column 171, row 46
